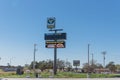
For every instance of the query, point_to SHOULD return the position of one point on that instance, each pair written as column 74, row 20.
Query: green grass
column 70, row 75
column 59, row 75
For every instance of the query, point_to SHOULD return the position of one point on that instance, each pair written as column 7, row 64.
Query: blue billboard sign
column 55, row 36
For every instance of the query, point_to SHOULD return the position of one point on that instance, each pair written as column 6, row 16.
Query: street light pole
column 92, row 63
column 88, row 60
column 34, row 58
column 92, row 60
column 11, row 61
column 104, row 53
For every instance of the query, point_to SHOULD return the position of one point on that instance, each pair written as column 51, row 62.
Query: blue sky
column 94, row 22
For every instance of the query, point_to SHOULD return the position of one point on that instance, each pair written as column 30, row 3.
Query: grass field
column 59, row 75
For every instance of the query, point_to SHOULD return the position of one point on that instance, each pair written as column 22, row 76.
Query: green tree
column 98, row 65
column 68, row 65
column 31, row 65
column 111, row 66
column 42, row 65
column 117, row 66
column 60, row 64
column 48, row 64
column 93, row 65
column 85, row 67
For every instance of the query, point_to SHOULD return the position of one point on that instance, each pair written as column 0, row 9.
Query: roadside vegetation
column 46, row 74
column 65, row 70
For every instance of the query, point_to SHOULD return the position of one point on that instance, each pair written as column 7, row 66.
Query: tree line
column 66, row 65
column 48, row 64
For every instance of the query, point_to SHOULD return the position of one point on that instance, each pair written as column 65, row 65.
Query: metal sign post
column 76, row 63
column 54, row 40
column 55, row 57
column 55, row 52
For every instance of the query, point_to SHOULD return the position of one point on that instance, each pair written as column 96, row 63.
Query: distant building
column 79, row 70
column 8, row 68
column 102, row 71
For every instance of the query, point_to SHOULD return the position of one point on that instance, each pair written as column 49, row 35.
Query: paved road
column 60, row 79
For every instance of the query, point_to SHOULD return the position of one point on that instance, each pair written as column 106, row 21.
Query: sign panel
column 53, row 36
column 76, row 62
column 53, row 44
column 51, row 22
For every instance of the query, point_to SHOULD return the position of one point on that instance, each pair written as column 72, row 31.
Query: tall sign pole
column 54, row 40
column 55, row 51
column 55, row 57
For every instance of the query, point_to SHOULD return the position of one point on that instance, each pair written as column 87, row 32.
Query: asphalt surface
column 60, row 79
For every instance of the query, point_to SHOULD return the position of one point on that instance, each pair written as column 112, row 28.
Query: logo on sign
column 51, row 23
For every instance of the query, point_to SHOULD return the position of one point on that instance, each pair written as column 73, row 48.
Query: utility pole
column 11, row 61
column 92, row 60
column 92, row 63
column 34, row 57
column 88, row 60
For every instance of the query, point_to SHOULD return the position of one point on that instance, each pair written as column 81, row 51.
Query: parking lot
column 60, row 79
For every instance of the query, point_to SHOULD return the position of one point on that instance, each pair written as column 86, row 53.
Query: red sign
column 53, row 44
